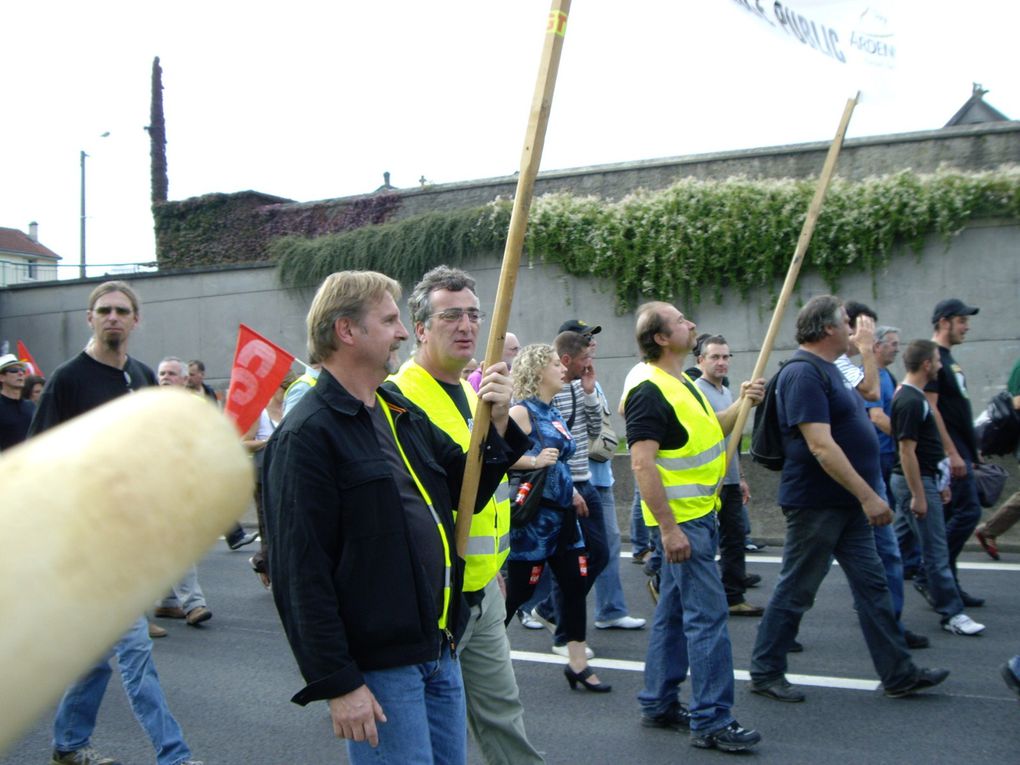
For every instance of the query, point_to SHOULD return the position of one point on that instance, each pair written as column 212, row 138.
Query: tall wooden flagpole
column 794, row 270
column 531, row 158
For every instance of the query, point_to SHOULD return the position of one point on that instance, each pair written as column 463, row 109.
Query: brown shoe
column 155, row 631
column 198, row 615
column 169, row 612
column 745, row 609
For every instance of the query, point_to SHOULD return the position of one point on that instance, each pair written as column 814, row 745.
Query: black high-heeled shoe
column 573, row 678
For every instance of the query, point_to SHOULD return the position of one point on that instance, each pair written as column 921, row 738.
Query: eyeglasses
column 105, row 310
column 14, row 371
column 454, row 315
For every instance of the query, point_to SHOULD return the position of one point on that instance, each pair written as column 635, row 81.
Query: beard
column 392, row 363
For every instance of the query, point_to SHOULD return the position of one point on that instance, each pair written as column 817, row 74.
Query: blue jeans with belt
column 689, row 631
column 426, row 719
column 76, row 714
column 930, row 532
column 813, row 537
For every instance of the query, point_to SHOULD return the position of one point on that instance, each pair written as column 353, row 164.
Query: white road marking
column 819, row 681
column 990, row 566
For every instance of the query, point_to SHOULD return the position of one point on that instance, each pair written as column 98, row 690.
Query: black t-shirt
column 802, row 398
column 421, row 526
column 456, row 392
column 913, row 420
column 81, row 384
column 15, row 417
column 954, row 405
column 651, row 418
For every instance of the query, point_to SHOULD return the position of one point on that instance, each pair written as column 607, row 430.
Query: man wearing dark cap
column 948, row 397
column 576, row 325
column 15, row 414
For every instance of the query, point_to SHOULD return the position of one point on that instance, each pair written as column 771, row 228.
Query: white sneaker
column 561, row 650
column 623, row 623
column 961, row 624
column 528, row 621
column 551, row 626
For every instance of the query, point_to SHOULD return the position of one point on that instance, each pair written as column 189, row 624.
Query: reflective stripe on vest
column 489, row 537
column 691, row 473
column 447, row 560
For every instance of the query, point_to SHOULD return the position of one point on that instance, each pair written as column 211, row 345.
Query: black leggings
column 571, row 570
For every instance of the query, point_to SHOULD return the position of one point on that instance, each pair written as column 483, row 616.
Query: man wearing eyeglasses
column 713, row 357
column 15, row 414
column 101, row 373
column 446, row 318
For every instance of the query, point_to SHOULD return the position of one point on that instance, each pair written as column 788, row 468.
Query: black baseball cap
column 576, row 325
column 952, row 307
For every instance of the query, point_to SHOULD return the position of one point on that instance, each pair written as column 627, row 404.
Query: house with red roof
column 23, row 258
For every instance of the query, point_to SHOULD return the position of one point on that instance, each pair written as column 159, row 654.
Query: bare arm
column 675, row 546
column 834, row 462
column 864, row 337
column 912, row 472
column 957, row 467
column 755, row 390
column 880, row 419
column 544, row 458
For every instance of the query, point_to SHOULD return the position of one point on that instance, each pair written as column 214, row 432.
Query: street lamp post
column 81, row 271
column 81, row 268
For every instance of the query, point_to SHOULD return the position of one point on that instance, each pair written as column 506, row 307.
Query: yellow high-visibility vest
column 691, row 473
column 489, row 540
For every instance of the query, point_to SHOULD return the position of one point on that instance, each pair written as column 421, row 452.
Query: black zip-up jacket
column 349, row 586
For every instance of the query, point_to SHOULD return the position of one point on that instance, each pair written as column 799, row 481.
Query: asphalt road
column 230, row 680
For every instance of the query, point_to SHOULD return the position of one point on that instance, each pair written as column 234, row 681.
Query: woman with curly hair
column 553, row 535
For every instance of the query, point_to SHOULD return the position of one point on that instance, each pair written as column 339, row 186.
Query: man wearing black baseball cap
column 948, row 395
column 576, row 325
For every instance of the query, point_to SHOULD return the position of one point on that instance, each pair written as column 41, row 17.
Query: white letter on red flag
column 259, row 368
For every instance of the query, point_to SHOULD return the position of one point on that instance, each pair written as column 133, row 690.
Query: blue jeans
column 689, row 631
column 813, row 537
column 76, row 714
column 609, row 601
column 639, row 541
column 888, row 550
column 426, row 719
column 931, row 532
column 963, row 513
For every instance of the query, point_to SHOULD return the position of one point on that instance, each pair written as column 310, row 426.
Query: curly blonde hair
column 528, row 368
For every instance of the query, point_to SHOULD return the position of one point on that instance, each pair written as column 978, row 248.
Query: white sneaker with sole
column 961, row 624
column 623, row 623
column 528, row 621
column 551, row 626
column 561, row 650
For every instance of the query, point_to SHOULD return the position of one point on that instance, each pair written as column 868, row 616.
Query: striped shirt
column 586, row 412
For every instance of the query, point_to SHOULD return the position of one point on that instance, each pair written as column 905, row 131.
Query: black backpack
column 767, row 436
column 999, row 428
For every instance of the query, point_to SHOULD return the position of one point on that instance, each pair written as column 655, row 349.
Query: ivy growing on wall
column 694, row 237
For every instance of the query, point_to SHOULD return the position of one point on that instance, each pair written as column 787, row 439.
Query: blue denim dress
column 554, row 526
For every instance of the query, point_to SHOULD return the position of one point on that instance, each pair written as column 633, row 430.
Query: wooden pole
column 118, row 501
column 531, row 158
column 791, row 274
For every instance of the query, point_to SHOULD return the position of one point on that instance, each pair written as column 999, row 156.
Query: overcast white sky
column 313, row 100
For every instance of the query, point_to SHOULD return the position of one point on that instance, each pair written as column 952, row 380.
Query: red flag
column 24, row 355
column 259, row 368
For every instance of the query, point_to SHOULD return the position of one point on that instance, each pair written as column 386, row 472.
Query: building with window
column 23, row 258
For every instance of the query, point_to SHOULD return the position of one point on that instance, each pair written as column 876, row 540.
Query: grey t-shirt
column 421, row 526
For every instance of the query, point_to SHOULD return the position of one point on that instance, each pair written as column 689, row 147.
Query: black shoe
column 970, row 601
column 241, row 541
column 922, row 588
column 780, row 690
column 796, row 647
column 751, row 580
column 732, row 738
column 910, row 572
column 677, row 717
column 915, row 641
column 753, row 547
column 925, row 678
column 573, row 678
